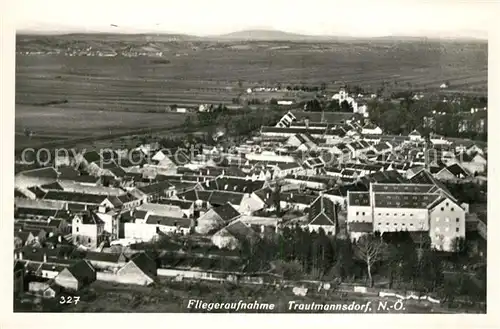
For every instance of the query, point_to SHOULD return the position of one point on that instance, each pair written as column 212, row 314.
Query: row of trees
column 395, row 257
column 401, row 117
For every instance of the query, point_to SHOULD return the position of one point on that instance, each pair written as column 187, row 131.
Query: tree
column 188, row 122
column 370, row 249
column 346, row 106
column 276, row 198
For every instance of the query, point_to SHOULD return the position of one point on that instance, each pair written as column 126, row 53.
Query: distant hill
column 270, row 35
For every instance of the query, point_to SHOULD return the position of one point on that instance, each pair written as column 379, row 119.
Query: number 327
column 69, row 300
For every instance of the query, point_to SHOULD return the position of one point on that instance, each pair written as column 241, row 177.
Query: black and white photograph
column 325, row 157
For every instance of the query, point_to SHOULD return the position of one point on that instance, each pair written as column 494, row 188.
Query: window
column 395, row 214
column 452, row 209
column 77, row 229
column 411, row 224
column 442, row 208
column 395, row 224
column 437, row 229
column 387, row 224
column 379, row 214
column 458, row 219
column 357, row 213
column 403, row 224
column 403, row 214
column 387, row 214
column 89, row 240
column 363, row 213
column 457, row 230
column 411, row 215
column 447, row 204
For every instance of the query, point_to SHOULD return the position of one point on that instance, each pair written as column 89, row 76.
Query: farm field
column 212, row 75
column 99, row 95
column 60, row 123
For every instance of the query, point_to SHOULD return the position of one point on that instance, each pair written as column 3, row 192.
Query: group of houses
column 297, row 173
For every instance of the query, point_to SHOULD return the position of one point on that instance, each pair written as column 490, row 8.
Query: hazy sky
column 205, row 17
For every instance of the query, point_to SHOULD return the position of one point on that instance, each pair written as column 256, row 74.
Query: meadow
column 86, row 90
column 51, row 124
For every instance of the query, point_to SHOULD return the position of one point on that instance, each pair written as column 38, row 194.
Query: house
column 415, row 136
column 76, row 276
column 146, row 209
column 45, row 288
column 475, row 163
column 413, row 207
column 22, row 238
column 151, row 192
column 167, row 161
column 165, row 224
column 234, row 235
column 286, row 120
column 186, row 207
column 482, row 226
column 474, row 149
column 301, row 140
column 457, row 171
column 285, row 102
column 447, row 223
column 216, row 218
column 284, row 169
column 105, row 260
column 371, row 129
column 88, row 230
column 35, row 177
column 296, row 201
column 443, row 174
column 140, row 269
column 19, row 270
column 322, row 215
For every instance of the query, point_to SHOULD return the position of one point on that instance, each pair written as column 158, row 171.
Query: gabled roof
column 233, row 185
column 414, row 133
column 82, row 271
column 104, row 256
column 90, row 218
column 157, row 188
column 52, row 186
column 37, row 191
column 92, row 156
column 457, row 170
column 95, row 199
column 359, row 199
column 322, row 212
column 402, row 188
column 183, row 204
column 405, row 200
column 424, row 177
column 240, row 231
column 226, row 212
column 46, row 172
column 145, row 264
column 223, row 197
column 67, row 172
column 169, row 221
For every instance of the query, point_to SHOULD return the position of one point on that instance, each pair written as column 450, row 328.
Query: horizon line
column 164, row 33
